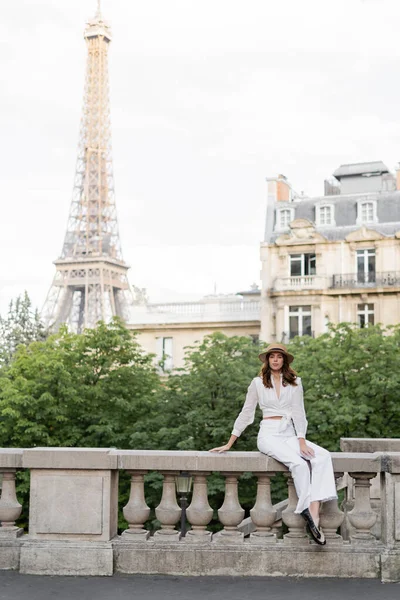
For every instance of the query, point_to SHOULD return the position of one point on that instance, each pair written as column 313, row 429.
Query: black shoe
column 316, row 533
column 321, row 541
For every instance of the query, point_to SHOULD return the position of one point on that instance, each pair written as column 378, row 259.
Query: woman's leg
column 323, row 486
column 278, row 447
column 314, row 510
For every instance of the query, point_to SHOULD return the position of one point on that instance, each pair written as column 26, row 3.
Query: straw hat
column 275, row 348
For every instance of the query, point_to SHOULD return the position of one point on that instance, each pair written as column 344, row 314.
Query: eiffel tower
column 91, row 282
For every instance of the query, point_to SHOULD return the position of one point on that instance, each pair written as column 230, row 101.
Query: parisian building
column 167, row 330
column 331, row 258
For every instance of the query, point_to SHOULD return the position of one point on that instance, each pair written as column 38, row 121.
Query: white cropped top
column 289, row 405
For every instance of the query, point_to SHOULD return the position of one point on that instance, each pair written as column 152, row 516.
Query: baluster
column 362, row 517
column 168, row 512
column 331, row 518
column 10, row 508
column 199, row 512
column 231, row 513
column 136, row 512
column 295, row 523
column 263, row 513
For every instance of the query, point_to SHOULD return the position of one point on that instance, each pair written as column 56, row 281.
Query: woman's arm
column 299, row 418
column 245, row 418
column 227, row 446
column 298, row 412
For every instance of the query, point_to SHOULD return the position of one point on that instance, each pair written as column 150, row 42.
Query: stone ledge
column 66, row 558
column 248, row 560
column 370, row 444
column 69, row 458
column 233, row 462
column 173, row 460
column 11, row 458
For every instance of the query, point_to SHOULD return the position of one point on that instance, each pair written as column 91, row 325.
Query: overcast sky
column 208, row 98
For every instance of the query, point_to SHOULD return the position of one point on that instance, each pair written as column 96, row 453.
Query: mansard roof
column 345, row 214
column 365, row 168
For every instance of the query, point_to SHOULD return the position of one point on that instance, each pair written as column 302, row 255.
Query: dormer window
column 283, row 217
column 324, row 215
column 366, row 212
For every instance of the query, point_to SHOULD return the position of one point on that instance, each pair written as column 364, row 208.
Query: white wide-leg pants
column 311, row 484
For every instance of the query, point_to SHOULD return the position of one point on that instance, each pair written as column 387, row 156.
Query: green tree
column 77, row 390
column 200, row 403
column 22, row 325
column 351, row 378
column 88, row 390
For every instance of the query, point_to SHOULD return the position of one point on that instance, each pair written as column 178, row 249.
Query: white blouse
column 289, row 405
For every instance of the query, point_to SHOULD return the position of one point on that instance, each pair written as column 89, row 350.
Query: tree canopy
column 351, row 378
column 200, row 401
column 22, row 325
column 77, row 390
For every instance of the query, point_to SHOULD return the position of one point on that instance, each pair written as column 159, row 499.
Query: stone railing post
column 136, row 512
column 10, row 508
column 168, row 512
column 294, row 522
column 362, row 517
column 73, row 511
column 231, row 513
column 199, row 512
column 331, row 518
column 263, row 513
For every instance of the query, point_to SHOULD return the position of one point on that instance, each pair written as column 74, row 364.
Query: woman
column 282, row 435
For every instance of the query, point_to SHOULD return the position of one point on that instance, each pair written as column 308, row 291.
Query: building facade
column 166, row 330
column 333, row 258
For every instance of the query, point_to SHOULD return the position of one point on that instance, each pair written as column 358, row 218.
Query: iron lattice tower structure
column 91, row 281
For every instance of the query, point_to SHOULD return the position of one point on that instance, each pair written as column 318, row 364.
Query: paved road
column 14, row 586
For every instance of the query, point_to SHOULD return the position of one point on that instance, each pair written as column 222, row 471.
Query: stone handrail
column 74, row 511
column 370, row 444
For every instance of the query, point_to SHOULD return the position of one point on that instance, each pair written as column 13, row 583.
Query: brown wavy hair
column 289, row 376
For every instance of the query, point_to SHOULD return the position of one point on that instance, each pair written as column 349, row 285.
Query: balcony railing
column 303, row 282
column 73, row 516
column 197, row 312
column 347, row 280
column 370, row 280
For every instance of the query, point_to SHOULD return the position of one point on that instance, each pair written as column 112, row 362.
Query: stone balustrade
column 73, row 515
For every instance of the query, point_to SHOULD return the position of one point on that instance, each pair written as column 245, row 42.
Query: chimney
column 279, row 189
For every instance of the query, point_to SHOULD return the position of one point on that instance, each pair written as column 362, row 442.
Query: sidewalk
column 14, row 586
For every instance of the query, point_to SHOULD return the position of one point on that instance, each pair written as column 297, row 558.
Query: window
column 164, row 353
column 366, row 212
column 299, row 321
column 365, row 315
column 324, row 215
column 283, row 217
column 302, row 264
column 366, row 266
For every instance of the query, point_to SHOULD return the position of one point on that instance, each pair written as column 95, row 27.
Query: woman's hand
column 306, row 450
column 224, row 448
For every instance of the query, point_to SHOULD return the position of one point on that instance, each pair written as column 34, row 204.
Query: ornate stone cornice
column 302, row 231
column 363, row 234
